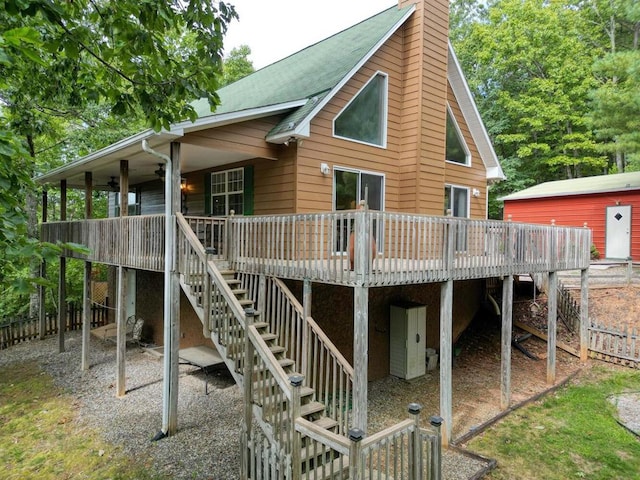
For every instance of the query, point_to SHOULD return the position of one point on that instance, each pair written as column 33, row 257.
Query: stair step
column 284, row 363
column 325, row 422
column 337, row 469
column 310, row 408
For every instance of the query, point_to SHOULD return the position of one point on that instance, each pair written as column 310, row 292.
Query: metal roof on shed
column 580, row 186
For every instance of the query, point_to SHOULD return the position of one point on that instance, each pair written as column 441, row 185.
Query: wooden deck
column 400, row 248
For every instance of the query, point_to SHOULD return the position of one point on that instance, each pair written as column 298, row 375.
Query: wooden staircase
column 271, row 411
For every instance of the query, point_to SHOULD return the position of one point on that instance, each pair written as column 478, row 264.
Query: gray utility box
column 407, row 342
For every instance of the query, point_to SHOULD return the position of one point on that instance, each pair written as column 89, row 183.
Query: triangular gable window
column 457, row 150
column 364, row 119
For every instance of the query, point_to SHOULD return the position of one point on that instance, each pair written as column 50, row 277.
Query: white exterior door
column 618, row 236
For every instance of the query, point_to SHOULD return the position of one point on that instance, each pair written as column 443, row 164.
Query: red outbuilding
column 609, row 204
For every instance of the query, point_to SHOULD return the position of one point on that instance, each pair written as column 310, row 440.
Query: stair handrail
column 260, row 347
column 332, row 390
column 213, row 272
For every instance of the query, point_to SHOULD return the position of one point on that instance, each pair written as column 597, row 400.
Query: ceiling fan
column 113, row 184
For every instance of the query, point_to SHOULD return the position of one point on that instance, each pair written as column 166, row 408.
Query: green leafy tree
column 66, row 67
column 615, row 114
column 237, row 65
column 529, row 65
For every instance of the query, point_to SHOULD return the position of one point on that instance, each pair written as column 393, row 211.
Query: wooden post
column 306, row 308
column 296, row 457
column 505, row 356
column 355, row 436
column 249, row 355
column 436, row 455
column 174, row 360
column 446, row 358
column 86, row 290
column 42, row 312
column 361, row 321
column 415, row 463
column 62, row 274
column 360, row 356
column 121, row 332
column 584, row 315
column 552, row 306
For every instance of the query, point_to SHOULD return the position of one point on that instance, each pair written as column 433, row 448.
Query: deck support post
column 552, row 306
column 62, row 274
column 584, row 314
column 121, row 332
column 362, row 255
column 306, row 313
column 172, row 294
column 505, row 356
column 86, row 290
column 42, row 312
column 446, row 359
column 360, row 356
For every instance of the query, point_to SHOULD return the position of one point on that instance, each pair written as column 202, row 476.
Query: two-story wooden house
column 243, row 230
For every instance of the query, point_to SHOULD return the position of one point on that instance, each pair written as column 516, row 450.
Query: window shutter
column 207, row 193
column 248, row 190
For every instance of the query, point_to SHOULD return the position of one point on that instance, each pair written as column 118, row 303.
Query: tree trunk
column 620, row 161
column 32, row 232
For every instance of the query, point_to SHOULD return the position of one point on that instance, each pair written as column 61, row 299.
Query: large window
column 351, row 186
column 364, row 119
column 227, row 192
column 457, row 151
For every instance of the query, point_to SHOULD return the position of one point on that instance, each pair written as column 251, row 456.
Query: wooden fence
column 14, row 331
column 615, row 343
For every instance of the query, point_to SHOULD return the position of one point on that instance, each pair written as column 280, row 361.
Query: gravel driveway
column 207, row 443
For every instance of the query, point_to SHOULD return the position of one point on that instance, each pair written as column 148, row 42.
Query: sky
column 274, row 29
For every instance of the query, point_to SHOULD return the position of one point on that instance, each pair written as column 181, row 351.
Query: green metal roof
column 307, row 73
column 580, row 186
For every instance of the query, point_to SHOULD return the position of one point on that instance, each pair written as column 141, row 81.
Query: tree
column 59, row 60
column 237, row 65
column 529, row 66
column 615, row 114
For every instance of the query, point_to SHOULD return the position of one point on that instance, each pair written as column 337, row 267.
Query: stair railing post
column 206, row 292
column 435, row 467
column 228, row 238
column 296, row 439
column 248, row 375
column 416, row 463
column 355, row 451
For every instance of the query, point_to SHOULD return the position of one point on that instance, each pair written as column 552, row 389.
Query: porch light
column 183, row 185
column 324, row 169
column 160, row 171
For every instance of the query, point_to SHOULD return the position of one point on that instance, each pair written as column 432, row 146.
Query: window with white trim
column 364, row 118
column 227, row 192
column 457, row 150
column 456, row 203
column 351, row 186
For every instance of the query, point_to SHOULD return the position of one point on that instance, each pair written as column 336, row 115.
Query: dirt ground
column 476, row 369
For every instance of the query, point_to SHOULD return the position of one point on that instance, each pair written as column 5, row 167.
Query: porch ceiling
column 142, row 166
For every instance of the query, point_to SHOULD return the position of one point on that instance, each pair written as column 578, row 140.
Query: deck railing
column 398, row 248
column 134, row 242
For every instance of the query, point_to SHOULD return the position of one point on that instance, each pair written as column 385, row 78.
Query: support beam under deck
column 505, row 356
column 584, row 315
column 446, row 359
column 552, row 306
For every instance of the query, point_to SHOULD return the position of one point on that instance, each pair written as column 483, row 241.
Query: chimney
column 426, row 39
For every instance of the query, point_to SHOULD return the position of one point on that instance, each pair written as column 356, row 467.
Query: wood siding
column 473, row 175
column 575, row 210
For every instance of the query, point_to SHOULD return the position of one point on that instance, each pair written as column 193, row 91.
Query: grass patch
column 572, row 433
column 41, row 436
